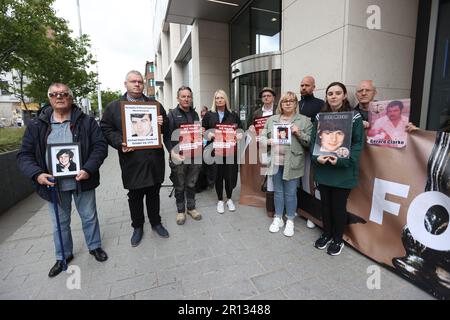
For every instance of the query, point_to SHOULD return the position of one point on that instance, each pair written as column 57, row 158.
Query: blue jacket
column 85, row 130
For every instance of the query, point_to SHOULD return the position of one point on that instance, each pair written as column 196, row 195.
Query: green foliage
column 107, row 97
column 37, row 45
column 10, row 138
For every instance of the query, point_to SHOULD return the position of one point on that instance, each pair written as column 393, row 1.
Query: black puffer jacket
column 85, row 130
column 140, row 168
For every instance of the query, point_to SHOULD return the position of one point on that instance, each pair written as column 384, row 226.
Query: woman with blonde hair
column 287, row 161
column 226, row 168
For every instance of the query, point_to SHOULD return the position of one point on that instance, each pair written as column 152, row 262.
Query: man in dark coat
column 309, row 106
column 66, row 123
column 142, row 170
column 184, row 171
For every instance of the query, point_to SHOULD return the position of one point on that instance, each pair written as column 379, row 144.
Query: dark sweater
column 310, row 106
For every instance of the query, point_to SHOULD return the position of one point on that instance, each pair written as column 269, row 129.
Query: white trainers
column 231, row 205
column 310, row 224
column 289, row 229
column 276, row 225
column 220, row 207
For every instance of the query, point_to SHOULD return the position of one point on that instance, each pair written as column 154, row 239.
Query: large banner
column 399, row 213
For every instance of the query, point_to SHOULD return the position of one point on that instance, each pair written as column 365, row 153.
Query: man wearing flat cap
column 267, row 96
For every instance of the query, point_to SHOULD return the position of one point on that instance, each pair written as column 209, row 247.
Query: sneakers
column 231, row 205
column 335, row 248
column 289, row 229
column 310, row 224
column 220, row 207
column 195, row 214
column 322, row 242
column 276, row 224
column 181, row 218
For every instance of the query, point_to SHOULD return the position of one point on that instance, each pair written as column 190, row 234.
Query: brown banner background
column 407, row 166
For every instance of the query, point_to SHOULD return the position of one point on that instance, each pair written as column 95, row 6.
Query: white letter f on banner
column 379, row 202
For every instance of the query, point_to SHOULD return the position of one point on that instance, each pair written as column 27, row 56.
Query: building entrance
column 249, row 76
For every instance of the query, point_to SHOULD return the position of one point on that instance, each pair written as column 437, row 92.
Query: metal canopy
column 186, row 11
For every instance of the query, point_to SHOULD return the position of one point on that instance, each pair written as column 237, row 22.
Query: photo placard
column 334, row 134
column 140, row 124
column 225, row 139
column 190, row 141
column 388, row 120
column 64, row 159
column 282, row 133
column 259, row 124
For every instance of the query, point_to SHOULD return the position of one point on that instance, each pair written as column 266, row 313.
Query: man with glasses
column 365, row 93
column 142, row 170
column 267, row 96
column 64, row 122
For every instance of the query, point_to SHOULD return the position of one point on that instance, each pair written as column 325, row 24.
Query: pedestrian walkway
column 229, row 256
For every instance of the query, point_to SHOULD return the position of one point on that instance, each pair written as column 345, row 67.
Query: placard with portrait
column 140, row 124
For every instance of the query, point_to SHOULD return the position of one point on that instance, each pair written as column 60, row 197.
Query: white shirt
column 397, row 133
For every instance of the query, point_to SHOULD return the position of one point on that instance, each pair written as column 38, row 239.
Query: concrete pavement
column 229, row 256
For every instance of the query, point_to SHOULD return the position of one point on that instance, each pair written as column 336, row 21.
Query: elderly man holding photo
column 64, row 122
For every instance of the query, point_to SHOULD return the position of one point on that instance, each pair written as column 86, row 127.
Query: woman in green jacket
column 336, row 176
column 286, row 160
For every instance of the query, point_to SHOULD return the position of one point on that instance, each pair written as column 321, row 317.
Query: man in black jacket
column 184, row 171
column 309, row 105
column 66, row 123
column 142, row 170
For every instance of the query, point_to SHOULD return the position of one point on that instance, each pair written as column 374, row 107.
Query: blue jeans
column 87, row 209
column 285, row 194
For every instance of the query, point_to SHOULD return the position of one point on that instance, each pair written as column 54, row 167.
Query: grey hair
column 137, row 73
column 57, row 84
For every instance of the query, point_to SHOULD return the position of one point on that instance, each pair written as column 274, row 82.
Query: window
column 257, row 29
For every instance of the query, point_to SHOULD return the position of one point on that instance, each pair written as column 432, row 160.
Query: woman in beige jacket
column 287, row 158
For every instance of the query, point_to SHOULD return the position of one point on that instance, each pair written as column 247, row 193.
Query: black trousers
column 227, row 173
column 135, row 202
column 334, row 210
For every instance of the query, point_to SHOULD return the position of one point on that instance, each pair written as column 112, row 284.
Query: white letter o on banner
column 416, row 216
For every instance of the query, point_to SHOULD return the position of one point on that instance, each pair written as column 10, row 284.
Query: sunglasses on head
column 58, row 94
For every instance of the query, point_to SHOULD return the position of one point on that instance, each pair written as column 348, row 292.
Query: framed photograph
column 64, row 159
column 334, row 134
column 388, row 120
column 140, row 124
column 282, row 133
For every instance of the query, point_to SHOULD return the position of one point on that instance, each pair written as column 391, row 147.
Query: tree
column 107, row 97
column 37, row 45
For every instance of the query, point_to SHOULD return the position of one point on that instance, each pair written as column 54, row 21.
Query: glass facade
column 256, row 29
column 439, row 112
column 247, row 87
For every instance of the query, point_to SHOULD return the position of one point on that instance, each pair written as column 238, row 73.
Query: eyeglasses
column 288, row 101
column 58, row 94
column 364, row 90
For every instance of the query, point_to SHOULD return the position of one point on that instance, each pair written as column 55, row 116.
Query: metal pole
column 99, row 92
column 79, row 17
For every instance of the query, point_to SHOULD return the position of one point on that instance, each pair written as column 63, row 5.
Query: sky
column 120, row 33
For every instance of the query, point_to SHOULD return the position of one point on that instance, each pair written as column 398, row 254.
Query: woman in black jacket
column 225, row 166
